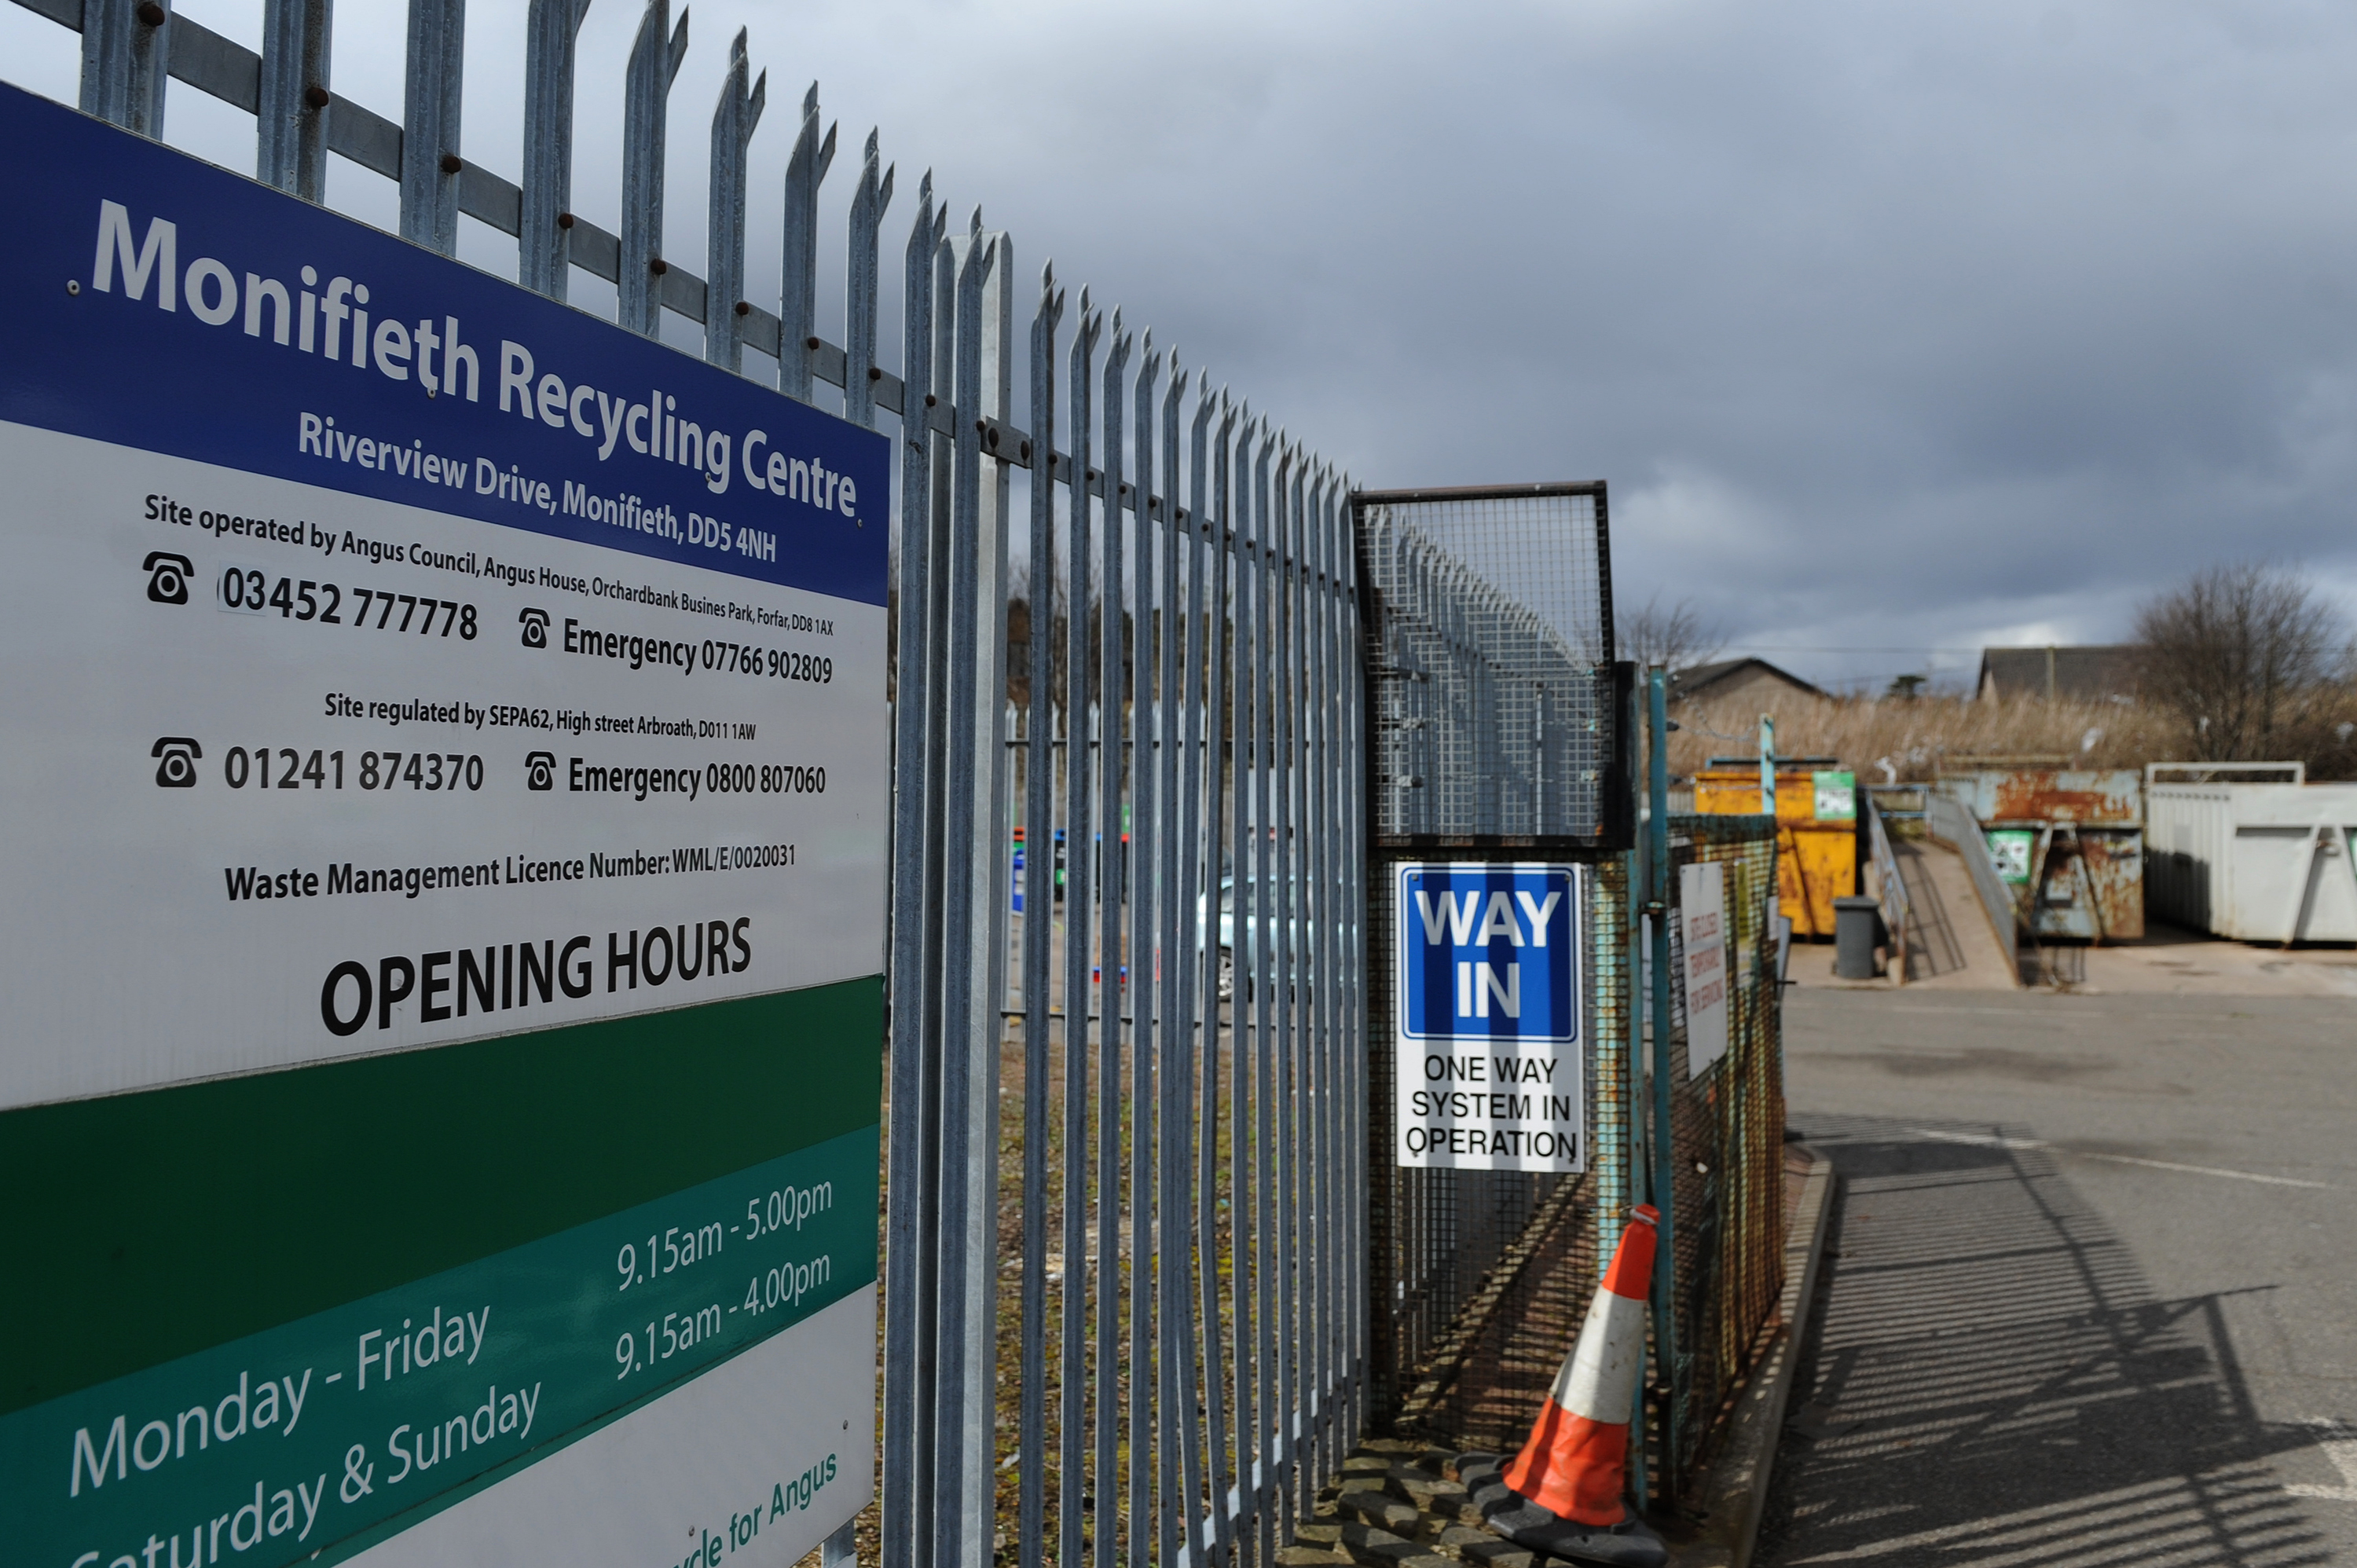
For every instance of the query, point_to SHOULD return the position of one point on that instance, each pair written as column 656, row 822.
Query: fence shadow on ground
column 1992, row 1380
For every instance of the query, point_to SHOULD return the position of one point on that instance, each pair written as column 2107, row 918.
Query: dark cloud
column 1889, row 325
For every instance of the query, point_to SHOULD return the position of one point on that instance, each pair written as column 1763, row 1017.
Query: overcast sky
column 1896, row 329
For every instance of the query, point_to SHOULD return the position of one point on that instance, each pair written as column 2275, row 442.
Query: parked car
column 1297, row 932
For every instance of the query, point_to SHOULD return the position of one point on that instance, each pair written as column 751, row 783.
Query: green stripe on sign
column 147, row 1225
column 404, row 1396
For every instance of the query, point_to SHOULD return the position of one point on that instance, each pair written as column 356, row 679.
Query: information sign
column 1834, row 796
column 442, row 830
column 2011, row 851
column 1489, row 1005
column 1702, row 926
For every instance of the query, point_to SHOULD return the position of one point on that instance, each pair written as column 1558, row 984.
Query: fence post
column 1113, row 862
column 1080, row 883
column 1634, row 1167
column 1665, row 1269
column 1175, row 1447
column 1245, row 1226
column 992, row 338
column 905, row 1496
column 1212, row 518
column 1039, row 907
column 123, row 64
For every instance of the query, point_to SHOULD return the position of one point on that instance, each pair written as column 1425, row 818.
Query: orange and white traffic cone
column 1563, row 1492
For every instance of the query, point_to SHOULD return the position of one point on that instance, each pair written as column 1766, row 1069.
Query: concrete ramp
column 1949, row 943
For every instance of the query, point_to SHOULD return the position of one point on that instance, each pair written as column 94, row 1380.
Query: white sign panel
column 385, row 777
column 1490, row 1003
column 443, row 807
column 1701, row 916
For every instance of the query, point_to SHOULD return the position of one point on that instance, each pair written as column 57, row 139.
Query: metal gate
column 1725, row 1155
column 1496, row 730
column 1127, row 1199
column 1500, row 729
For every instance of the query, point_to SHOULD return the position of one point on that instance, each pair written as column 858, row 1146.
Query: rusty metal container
column 2069, row 843
column 1816, row 834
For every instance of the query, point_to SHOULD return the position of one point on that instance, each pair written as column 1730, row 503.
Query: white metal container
column 2258, row 863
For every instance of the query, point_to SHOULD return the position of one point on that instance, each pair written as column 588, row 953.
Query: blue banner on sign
column 1488, row 952
column 194, row 312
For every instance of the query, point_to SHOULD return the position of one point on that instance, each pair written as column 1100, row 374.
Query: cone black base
column 1631, row 1544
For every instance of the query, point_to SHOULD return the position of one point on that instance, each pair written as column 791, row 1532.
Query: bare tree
column 1675, row 637
column 2242, row 652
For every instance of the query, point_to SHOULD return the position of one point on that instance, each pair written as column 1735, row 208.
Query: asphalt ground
column 2093, row 1291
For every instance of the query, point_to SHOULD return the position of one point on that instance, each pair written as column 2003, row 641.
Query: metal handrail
column 1950, row 824
column 1894, row 888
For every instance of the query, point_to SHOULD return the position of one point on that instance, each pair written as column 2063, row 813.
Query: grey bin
column 1857, row 931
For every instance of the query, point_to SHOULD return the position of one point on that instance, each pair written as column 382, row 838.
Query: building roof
column 2084, row 674
column 1699, row 681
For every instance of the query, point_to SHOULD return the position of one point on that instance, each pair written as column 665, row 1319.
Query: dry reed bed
column 1918, row 737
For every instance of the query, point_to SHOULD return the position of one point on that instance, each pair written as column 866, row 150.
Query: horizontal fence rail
column 1125, row 1232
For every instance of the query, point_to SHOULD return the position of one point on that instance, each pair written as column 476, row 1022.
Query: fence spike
column 965, row 794
column 544, row 240
column 733, row 119
column 429, row 124
column 860, row 287
column 1143, row 824
column 1113, row 895
column 124, row 59
column 645, row 113
column 291, row 122
column 797, row 288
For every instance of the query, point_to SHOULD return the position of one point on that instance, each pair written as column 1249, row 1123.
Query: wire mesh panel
column 1493, row 710
column 1498, row 729
column 1727, row 1151
column 1494, row 731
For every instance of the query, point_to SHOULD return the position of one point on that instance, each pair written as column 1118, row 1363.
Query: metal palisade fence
column 1151, row 1266
column 1126, row 1252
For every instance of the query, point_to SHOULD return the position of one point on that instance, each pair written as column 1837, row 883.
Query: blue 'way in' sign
column 1488, row 952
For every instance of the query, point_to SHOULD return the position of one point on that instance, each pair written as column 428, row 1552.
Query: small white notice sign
column 1702, row 914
